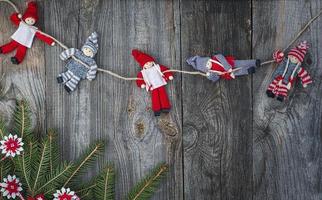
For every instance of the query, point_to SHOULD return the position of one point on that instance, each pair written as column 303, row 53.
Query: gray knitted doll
column 226, row 67
column 76, row 71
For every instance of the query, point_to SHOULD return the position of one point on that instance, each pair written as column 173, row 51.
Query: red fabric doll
column 226, row 68
column 153, row 78
column 24, row 35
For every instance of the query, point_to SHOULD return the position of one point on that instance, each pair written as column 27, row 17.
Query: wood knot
column 167, row 126
column 139, row 129
column 131, row 106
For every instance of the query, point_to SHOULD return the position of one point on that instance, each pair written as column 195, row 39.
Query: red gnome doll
column 24, row 35
column 153, row 78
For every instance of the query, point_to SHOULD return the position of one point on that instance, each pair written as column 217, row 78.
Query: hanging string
column 170, row 70
column 297, row 36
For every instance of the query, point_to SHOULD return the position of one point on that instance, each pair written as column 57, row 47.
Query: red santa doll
column 153, row 78
column 223, row 67
column 24, row 35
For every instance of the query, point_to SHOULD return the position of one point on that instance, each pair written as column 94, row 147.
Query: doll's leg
column 63, row 77
column 282, row 92
column 7, row 48
column 272, row 89
column 72, row 83
column 20, row 55
column 247, row 66
column 164, row 100
column 155, row 98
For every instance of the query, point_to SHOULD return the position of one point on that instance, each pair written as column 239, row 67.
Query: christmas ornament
column 11, row 187
column 38, row 197
column 65, row 194
column 25, row 34
column 11, row 145
column 77, row 71
column 153, row 77
column 288, row 70
column 225, row 67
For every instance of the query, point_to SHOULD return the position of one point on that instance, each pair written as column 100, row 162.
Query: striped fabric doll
column 288, row 70
column 225, row 67
column 76, row 71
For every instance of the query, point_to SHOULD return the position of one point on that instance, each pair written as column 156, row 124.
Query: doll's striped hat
column 300, row 51
column 92, row 42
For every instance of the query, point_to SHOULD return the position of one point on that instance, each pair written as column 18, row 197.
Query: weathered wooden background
column 222, row 141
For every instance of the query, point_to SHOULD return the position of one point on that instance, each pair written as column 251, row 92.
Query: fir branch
column 88, row 158
column 22, row 119
column 54, row 152
column 148, row 185
column 3, row 129
column 86, row 189
column 61, row 172
column 104, row 187
column 24, row 164
column 86, row 195
column 42, row 163
column 25, row 171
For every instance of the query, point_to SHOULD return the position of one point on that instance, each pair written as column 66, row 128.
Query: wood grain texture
column 287, row 136
column 112, row 109
column 223, row 140
column 25, row 80
column 217, row 117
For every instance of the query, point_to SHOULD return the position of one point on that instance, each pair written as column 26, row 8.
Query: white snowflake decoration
column 11, row 187
column 65, row 194
column 11, row 145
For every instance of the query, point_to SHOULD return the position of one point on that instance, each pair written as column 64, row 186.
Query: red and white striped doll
column 153, row 78
column 288, row 70
column 25, row 34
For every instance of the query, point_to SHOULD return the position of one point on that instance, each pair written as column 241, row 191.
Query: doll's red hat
column 300, row 51
column 141, row 57
column 31, row 11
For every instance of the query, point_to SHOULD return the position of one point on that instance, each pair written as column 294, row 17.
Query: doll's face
column 293, row 59
column 88, row 52
column 208, row 64
column 30, row 21
column 148, row 65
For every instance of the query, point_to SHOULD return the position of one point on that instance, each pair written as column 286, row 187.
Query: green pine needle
column 87, row 159
column 55, row 180
column 104, row 187
column 26, row 163
column 3, row 129
column 22, row 120
column 43, row 161
column 145, row 189
column 41, row 172
column 54, row 151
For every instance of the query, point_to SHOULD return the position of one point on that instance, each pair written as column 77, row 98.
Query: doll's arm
column 305, row 77
column 67, row 53
column 45, row 38
column 140, row 82
column 15, row 18
column 278, row 56
column 168, row 75
column 91, row 74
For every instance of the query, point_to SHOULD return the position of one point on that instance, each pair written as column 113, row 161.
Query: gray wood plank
column 27, row 79
column 63, row 110
column 217, row 117
column 287, row 136
column 112, row 109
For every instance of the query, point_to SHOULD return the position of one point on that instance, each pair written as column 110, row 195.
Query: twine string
column 170, row 70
